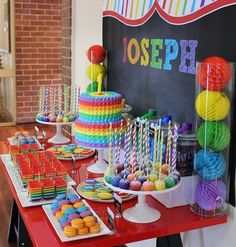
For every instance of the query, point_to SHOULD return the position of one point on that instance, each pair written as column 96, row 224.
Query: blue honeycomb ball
column 210, row 165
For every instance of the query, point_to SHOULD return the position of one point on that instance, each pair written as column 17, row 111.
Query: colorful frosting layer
column 96, row 112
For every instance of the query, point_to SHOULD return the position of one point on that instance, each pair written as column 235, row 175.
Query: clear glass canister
column 186, row 148
column 213, row 105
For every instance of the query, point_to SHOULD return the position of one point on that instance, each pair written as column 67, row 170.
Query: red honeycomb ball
column 96, row 54
column 214, row 73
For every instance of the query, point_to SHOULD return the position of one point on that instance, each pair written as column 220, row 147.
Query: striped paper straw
column 174, row 148
column 134, row 160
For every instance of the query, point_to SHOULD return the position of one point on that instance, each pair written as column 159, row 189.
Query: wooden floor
column 5, row 193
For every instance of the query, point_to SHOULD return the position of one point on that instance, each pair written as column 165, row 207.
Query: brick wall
column 66, row 41
column 38, row 52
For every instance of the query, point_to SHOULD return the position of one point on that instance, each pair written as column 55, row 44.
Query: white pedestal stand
column 141, row 212
column 100, row 166
column 59, row 138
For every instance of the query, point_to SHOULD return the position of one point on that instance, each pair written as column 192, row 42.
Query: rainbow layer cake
column 96, row 112
column 35, row 190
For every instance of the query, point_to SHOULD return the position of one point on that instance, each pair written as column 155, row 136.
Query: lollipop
column 96, row 54
column 210, row 194
column 210, row 165
column 214, row 73
column 212, row 106
column 213, row 135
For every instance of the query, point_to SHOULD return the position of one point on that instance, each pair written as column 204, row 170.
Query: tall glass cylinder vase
column 213, row 105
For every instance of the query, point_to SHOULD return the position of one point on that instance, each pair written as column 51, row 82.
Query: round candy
column 69, row 231
column 108, row 178
column 65, row 119
column 94, row 70
column 210, row 195
column 73, row 216
column 214, row 73
column 55, row 210
column 116, row 180
column 131, row 177
column 153, row 177
column 124, row 184
column 85, row 214
column 135, row 185
column 54, row 205
column 74, row 200
column 82, row 209
column 69, row 211
column 159, row 185
column 71, row 118
column 65, row 223
column 96, row 54
column 87, row 188
column 61, row 197
column 212, row 105
column 70, row 196
column 147, row 186
column 210, row 165
column 169, row 182
column 62, row 219
column 91, row 181
column 105, row 196
column 213, row 135
column 142, row 179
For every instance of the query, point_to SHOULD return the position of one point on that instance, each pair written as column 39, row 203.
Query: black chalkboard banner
column 153, row 64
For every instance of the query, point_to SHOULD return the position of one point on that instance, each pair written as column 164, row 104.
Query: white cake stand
column 141, row 212
column 100, row 166
column 59, row 138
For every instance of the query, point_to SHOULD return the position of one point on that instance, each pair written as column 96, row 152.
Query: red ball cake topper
column 96, row 54
column 214, row 73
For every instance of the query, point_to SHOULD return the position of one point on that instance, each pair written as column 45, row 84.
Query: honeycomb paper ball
column 214, row 73
column 210, row 165
column 210, row 195
column 213, row 135
column 94, row 70
column 96, row 54
column 212, row 105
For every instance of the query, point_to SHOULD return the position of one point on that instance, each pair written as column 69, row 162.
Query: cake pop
column 159, row 185
column 124, row 184
column 147, row 186
column 135, row 185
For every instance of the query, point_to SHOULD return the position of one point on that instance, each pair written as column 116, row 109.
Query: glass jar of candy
column 186, row 148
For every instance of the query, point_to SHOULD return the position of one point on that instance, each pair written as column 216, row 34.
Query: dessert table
column 34, row 223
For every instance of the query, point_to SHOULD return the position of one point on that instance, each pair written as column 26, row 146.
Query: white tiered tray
column 141, row 212
column 59, row 138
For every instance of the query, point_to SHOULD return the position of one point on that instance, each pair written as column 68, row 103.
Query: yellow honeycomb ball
column 94, row 70
column 212, row 105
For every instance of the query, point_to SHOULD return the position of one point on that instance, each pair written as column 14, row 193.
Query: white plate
column 25, row 200
column 12, row 142
column 104, row 229
column 54, row 123
column 15, row 176
column 130, row 197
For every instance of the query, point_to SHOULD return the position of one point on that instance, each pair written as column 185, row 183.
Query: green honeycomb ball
column 213, row 135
